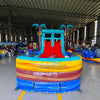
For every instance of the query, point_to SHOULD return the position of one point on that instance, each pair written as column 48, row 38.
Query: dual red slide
column 52, row 52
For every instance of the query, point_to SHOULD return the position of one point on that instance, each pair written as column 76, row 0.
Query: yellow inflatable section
column 46, row 66
column 2, row 52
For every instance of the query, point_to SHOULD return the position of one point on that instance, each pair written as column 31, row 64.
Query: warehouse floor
column 90, row 84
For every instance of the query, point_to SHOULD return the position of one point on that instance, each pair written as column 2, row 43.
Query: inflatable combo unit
column 49, row 71
column 2, row 53
column 21, row 50
column 32, row 49
column 20, row 47
column 90, row 56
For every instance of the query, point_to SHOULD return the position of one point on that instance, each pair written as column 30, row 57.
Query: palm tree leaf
column 37, row 25
column 43, row 26
column 62, row 26
column 68, row 26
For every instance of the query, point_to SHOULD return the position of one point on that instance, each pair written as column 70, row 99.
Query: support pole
column 66, row 38
column 39, row 37
column 9, row 24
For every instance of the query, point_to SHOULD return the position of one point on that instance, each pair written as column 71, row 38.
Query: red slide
column 52, row 52
column 57, row 50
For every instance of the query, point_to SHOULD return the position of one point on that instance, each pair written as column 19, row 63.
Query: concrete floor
column 90, row 84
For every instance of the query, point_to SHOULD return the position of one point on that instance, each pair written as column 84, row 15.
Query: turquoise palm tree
column 40, row 27
column 62, row 26
column 66, row 31
column 68, row 26
column 43, row 26
column 36, row 25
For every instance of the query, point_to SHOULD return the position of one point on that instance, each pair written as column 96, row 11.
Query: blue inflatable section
column 89, row 61
column 68, row 53
column 35, row 52
column 48, row 87
column 21, row 51
column 48, row 59
column 88, row 54
column 0, row 56
column 97, row 52
column 94, row 49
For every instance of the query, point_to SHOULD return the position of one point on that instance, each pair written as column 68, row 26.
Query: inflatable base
column 48, row 75
column 48, row 87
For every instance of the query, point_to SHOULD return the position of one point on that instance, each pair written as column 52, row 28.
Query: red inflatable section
column 52, row 52
column 72, row 49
